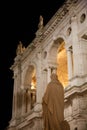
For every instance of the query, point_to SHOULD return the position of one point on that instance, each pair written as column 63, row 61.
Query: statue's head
column 54, row 76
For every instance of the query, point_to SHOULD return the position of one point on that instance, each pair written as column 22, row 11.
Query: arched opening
column 62, row 70
column 58, row 52
column 30, row 88
column 30, row 78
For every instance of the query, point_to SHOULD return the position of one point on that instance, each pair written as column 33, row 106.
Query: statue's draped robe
column 53, row 105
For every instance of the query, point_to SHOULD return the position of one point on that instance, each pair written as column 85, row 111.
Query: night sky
column 18, row 22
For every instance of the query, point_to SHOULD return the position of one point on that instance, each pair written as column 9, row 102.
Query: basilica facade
column 60, row 47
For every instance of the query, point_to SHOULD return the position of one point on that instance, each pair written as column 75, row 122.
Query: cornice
column 50, row 27
column 75, row 89
column 53, row 23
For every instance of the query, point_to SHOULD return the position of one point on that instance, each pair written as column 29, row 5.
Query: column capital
column 69, row 49
column 73, row 18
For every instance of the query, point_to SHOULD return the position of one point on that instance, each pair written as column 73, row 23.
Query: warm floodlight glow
column 33, row 83
column 62, row 66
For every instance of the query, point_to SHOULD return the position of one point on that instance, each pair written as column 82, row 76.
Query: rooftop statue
column 40, row 25
column 20, row 49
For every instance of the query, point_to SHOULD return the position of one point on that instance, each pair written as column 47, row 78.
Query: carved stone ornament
column 68, row 31
column 82, row 18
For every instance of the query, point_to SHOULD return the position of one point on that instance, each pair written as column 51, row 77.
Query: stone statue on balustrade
column 40, row 25
column 20, row 48
column 53, row 106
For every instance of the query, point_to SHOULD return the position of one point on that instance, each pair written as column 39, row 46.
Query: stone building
column 59, row 46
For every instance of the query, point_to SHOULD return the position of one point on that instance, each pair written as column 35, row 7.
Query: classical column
column 23, row 101
column 75, row 45
column 69, row 60
column 33, row 98
column 49, row 74
column 74, row 30
column 83, row 60
column 28, row 101
column 45, row 81
column 14, row 106
column 38, row 104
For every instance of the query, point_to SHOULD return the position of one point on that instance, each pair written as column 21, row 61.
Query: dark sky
column 18, row 22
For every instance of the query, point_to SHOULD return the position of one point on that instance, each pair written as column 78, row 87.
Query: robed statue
column 53, row 106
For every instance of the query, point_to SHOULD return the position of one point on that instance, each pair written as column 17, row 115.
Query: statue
column 20, row 49
column 40, row 25
column 53, row 105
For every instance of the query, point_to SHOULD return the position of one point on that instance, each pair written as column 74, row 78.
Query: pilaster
column 75, row 45
column 70, row 63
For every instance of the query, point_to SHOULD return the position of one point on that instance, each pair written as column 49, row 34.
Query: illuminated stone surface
column 43, row 56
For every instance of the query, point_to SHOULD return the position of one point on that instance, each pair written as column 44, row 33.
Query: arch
column 60, row 37
column 29, row 76
column 30, row 88
column 58, row 55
